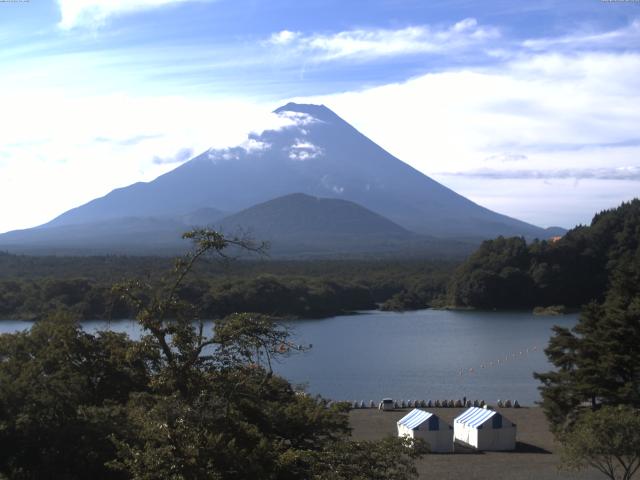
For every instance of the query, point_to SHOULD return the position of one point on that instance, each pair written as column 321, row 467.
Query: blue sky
column 529, row 108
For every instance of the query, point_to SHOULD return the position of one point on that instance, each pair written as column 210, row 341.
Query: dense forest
column 82, row 286
column 571, row 271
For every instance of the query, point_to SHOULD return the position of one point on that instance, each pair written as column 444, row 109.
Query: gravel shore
column 535, row 458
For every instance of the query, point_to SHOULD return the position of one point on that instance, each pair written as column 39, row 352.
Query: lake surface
column 426, row 354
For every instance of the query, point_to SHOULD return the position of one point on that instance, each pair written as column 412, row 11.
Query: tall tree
column 598, row 361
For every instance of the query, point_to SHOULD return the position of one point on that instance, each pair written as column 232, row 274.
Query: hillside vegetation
column 572, row 271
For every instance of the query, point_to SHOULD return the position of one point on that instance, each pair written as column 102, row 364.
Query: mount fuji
column 317, row 154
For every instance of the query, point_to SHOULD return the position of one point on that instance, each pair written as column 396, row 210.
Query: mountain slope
column 302, row 216
column 122, row 235
column 319, row 154
column 137, row 235
column 302, row 222
column 304, row 226
column 296, row 225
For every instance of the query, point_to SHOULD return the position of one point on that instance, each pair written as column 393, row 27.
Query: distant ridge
column 298, row 215
column 299, row 221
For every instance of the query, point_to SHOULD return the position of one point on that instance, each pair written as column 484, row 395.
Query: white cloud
column 94, row 13
column 506, row 157
column 252, row 145
column 550, row 112
column 286, row 119
column 61, row 151
column 626, row 173
column 302, row 151
column 298, row 119
column 217, row 155
column 622, row 38
column 180, row 156
column 283, row 37
column 373, row 43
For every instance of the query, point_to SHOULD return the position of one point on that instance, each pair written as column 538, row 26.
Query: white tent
column 485, row 429
column 429, row 427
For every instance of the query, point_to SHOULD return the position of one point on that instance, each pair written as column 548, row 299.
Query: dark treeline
column 573, row 271
column 32, row 286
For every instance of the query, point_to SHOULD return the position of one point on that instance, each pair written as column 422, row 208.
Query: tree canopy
column 607, row 440
column 573, row 270
column 30, row 287
column 181, row 403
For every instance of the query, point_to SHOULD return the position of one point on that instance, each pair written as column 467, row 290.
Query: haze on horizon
column 529, row 110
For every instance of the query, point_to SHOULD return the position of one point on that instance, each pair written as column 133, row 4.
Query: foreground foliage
column 607, row 440
column 181, row 403
column 61, row 393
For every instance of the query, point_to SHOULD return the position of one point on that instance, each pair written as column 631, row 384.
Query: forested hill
column 572, row 271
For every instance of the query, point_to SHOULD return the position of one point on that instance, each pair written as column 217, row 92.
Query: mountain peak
column 320, row 112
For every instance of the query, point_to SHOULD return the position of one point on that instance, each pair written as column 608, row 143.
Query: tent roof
column 475, row 416
column 415, row 418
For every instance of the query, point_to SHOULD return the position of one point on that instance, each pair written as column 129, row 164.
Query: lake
column 425, row 354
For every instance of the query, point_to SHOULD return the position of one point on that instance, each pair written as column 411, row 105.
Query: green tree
column 181, row 403
column 572, row 271
column 216, row 408
column 59, row 392
column 607, row 439
column 389, row 459
column 598, row 361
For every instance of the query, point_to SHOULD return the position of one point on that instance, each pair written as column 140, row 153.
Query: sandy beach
column 535, row 458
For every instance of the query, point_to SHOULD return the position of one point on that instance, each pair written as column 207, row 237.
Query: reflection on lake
column 412, row 355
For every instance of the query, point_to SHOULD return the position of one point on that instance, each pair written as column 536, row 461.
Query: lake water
column 426, row 354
